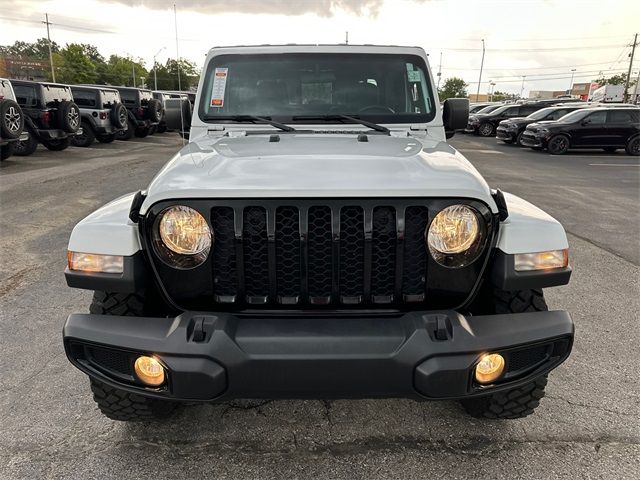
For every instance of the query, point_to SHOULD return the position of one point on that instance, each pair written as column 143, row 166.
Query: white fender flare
column 108, row 230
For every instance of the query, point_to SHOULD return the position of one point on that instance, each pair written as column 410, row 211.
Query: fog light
column 489, row 368
column 149, row 370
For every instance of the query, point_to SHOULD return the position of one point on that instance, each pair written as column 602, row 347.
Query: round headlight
column 183, row 237
column 453, row 236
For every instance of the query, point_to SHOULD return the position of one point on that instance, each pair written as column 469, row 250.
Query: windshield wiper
column 252, row 119
column 349, row 118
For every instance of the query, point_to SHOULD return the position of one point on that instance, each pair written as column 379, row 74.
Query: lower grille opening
column 111, row 360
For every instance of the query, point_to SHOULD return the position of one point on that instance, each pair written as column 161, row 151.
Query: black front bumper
column 533, row 140
column 212, row 356
column 503, row 133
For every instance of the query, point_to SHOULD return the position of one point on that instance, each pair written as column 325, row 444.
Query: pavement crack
column 592, row 407
column 245, row 405
column 327, row 412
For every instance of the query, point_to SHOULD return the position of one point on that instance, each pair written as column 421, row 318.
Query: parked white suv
column 318, row 238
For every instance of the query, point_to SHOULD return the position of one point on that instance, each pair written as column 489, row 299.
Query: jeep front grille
column 314, row 253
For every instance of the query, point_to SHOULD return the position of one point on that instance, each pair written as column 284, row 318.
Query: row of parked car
column 558, row 126
column 57, row 115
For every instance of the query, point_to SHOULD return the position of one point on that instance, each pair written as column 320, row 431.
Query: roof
column 32, row 82
column 320, row 48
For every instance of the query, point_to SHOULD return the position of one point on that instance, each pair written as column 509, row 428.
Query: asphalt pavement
column 588, row 425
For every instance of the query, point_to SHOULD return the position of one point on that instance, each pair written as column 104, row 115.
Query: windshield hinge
column 216, row 128
column 418, row 128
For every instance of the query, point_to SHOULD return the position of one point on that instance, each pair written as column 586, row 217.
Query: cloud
column 323, row 8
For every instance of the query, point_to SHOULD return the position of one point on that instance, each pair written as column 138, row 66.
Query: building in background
column 24, row 68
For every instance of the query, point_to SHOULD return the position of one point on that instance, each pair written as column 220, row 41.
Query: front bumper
column 472, row 128
column 503, row 133
column 532, row 140
column 214, row 356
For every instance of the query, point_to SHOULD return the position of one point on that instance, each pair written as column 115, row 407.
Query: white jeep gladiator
column 318, row 238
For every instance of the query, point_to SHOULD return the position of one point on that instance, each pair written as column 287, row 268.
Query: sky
column 542, row 40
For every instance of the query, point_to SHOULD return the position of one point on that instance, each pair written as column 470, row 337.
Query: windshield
column 540, row 114
column 379, row 88
column 574, row 116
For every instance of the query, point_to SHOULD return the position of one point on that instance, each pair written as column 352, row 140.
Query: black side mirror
column 455, row 115
column 178, row 114
column 585, row 122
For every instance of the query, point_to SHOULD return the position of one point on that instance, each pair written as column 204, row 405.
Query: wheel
column 86, row 138
column 153, row 129
column 118, row 115
column 142, row 132
column 558, row 145
column 486, row 130
column 127, row 133
column 56, row 145
column 633, row 146
column 106, row 138
column 519, row 139
column 11, row 119
column 125, row 406
column 68, row 116
column 610, row 149
column 6, row 151
column 26, row 148
column 154, row 110
column 162, row 128
column 517, row 402
column 119, row 404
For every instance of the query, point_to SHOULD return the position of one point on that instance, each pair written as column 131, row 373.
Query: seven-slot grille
column 337, row 254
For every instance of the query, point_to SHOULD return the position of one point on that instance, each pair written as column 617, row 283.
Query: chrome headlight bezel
column 171, row 255
column 465, row 254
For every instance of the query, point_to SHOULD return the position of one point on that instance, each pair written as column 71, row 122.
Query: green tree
column 38, row 49
column 619, row 79
column 120, row 71
column 73, row 65
column 167, row 75
column 453, row 87
column 499, row 96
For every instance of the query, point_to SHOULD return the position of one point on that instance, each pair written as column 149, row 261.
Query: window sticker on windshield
column 414, row 76
column 219, row 86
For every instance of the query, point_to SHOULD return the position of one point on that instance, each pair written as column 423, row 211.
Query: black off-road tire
column 119, row 404
column 6, row 151
column 26, row 148
column 119, row 115
column 486, row 130
column 68, row 116
column 558, row 145
column 517, row 402
column 127, row 134
column 106, row 138
column 154, row 110
column 142, row 132
column 57, row 145
column 510, row 404
column 633, row 146
column 86, row 138
column 11, row 119
column 129, row 407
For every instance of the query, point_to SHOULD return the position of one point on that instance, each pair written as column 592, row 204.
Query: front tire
column 558, row 145
column 26, row 148
column 127, row 133
column 56, row 145
column 142, row 132
column 521, row 401
column 633, row 146
column 106, row 138
column 113, row 402
column 6, row 151
column 86, row 138
column 486, row 130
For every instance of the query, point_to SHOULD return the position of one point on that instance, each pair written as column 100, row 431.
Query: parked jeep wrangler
column 102, row 112
column 11, row 120
column 145, row 112
column 318, row 238
column 51, row 116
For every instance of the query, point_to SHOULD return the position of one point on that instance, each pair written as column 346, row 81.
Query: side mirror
column 585, row 122
column 178, row 114
column 455, row 115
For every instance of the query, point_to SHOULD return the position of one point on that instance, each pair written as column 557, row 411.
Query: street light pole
column 626, row 84
column 481, row 65
column 522, row 88
column 155, row 76
column 573, row 71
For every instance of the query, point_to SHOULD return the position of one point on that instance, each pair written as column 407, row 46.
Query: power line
column 555, row 49
column 64, row 26
column 531, row 68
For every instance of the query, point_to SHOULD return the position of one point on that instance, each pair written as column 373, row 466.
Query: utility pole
column 480, row 79
column 346, row 37
column 633, row 51
column 53, row 73
column 635, row 90
column 155, row 76
column 522, row 88
column 440, row 71
column 573, row 71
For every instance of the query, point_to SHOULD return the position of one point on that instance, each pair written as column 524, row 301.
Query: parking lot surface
column 588, row 426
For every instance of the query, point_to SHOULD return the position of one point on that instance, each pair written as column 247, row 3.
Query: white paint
column 528, row 229
column 107, row 231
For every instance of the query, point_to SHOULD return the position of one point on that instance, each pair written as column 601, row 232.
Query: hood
column 542, row 123
column 515, row 120
column 317, row 165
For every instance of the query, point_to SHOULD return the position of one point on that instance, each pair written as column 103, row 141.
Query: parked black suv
column 11, row 120
column 485, row 124
column 511, row 130
column 605, row 127
column 51, row 116
column 145, row 112
column 102, row 112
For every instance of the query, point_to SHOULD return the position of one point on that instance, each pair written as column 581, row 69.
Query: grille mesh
column 320, row 252
column 351, row 251
column 522, row 359
column 111, row 360
column 224, row 255
column 415, row 256
column 383, row 260
column 255, row 251
column 288, row 251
